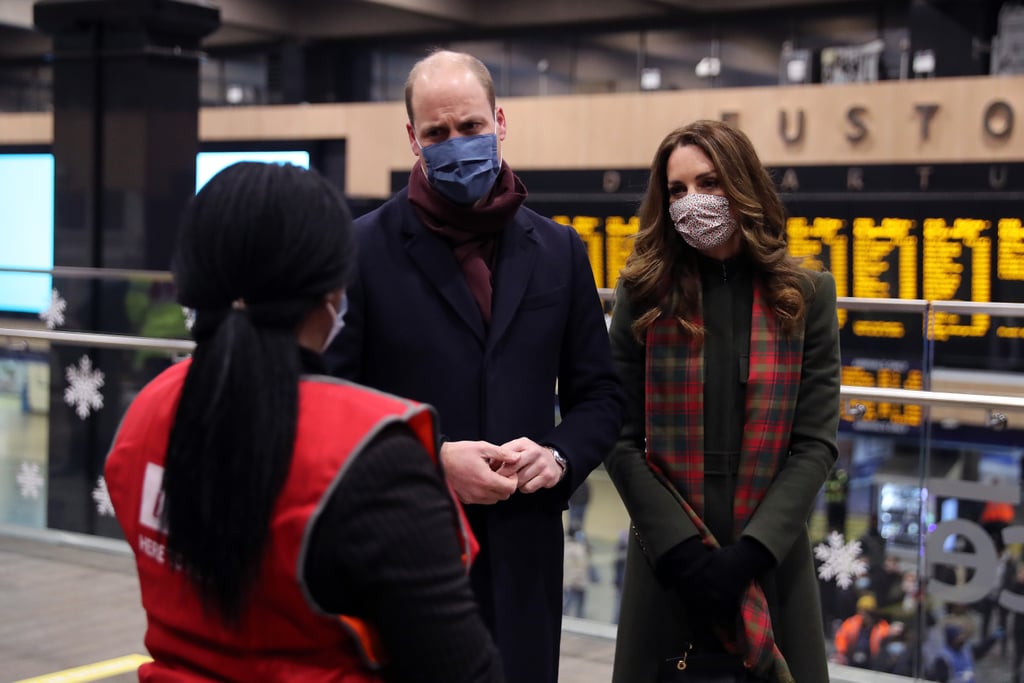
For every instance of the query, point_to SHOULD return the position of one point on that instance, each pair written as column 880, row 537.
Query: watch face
column 558, row 458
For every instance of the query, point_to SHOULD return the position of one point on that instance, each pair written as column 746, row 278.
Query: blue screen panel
column 26, row 217
column 209, row 164
column 26, row 230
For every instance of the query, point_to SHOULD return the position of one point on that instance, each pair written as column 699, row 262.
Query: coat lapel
column 436, row 261
column 517, row 256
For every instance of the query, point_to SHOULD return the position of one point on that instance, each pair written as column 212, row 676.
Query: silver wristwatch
column 562, row 462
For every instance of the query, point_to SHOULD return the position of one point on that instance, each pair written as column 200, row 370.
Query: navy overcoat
column 413, row 329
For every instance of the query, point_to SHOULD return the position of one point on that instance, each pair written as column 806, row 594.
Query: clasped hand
column 717, row 578
column 484, row 473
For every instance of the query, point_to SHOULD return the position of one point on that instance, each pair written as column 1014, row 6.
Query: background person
column 280, row 517
column 860, row 638
column 467, row 300
column 728, row 351
column 576, row 573
column 993, row 520
column 955, row 661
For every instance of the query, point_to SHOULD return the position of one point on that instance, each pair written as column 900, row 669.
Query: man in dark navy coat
column 469, row 301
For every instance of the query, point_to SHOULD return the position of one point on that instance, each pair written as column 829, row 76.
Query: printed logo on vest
column 152, row 498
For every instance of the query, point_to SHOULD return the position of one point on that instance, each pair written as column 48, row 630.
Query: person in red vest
column 287, row 526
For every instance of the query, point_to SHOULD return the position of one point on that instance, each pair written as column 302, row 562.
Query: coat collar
column 516, row 258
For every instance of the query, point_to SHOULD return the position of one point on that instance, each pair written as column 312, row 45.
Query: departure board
column 885, row 373
column 609, row 241
column 590, row 230
column 938, row 250
column 620, row 234
column 943, row 232
column 885, row 352
column 1010, row 268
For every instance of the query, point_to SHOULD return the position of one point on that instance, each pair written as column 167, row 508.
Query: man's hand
column 536, row 466
column 478, row 471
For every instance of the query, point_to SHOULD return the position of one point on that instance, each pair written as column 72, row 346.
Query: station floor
column 72, row 614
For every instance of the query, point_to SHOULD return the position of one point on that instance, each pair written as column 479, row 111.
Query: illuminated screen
column 209, row 164
column 26, row 230
column 26, row 217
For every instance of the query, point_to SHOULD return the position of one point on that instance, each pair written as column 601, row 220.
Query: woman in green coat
column 729, row 354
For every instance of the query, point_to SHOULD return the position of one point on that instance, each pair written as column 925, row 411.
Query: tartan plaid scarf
column 675, row 378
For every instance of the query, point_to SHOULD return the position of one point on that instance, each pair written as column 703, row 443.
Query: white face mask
column 704, row 220
column 339, row 320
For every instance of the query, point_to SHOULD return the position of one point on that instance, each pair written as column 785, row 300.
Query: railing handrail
column 946, row 399
column 1005, row 309
column 98, row 339
column 86, row 273
column 852, row 303
column 846, row 392
column 857, row 303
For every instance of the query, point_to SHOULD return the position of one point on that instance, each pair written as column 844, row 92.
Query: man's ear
column 412, row 139
column 500, row 127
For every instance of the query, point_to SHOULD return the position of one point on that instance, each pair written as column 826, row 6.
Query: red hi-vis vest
column 284, row 635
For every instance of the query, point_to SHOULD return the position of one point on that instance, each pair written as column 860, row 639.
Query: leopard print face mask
column 704, row 220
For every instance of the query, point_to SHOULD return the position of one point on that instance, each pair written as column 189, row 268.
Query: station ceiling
column 262, row 21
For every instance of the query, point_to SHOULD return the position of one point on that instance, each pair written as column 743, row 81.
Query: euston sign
column 984, row 558
column 996, row 122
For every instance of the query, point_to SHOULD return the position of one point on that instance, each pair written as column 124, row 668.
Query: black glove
column 729, row 572
column 682, row 568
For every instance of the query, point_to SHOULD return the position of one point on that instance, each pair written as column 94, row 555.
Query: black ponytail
column 259, row 247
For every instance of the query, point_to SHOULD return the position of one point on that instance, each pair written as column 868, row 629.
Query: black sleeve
column 385, row 550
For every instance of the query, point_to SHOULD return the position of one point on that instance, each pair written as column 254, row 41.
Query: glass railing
column 928, row 485
column 930, row 458
column 69, row 367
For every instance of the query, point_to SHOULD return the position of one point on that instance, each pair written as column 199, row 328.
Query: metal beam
column 267, row 17
column 544, row 12
column 722, row 6
column 330, row 19
column 323, row 18
column 459, row 11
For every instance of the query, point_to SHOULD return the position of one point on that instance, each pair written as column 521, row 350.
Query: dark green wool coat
column 653, row 623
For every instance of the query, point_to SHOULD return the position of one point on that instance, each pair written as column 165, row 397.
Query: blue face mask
column 463, row 169
column 896, row 648
column 339, row 320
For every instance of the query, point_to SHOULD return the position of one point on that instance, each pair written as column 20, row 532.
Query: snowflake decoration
column 101, row 496
column 83, row 390
column 190, row 317
column 30, row 480
column 54, row 313
column 840, row 560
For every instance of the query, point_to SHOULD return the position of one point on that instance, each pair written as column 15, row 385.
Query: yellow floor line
column 92, row 672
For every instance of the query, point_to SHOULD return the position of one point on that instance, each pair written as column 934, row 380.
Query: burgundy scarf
column 675, row 447
column 472, row 231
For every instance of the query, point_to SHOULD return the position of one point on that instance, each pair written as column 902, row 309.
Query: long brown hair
column 661, row 275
